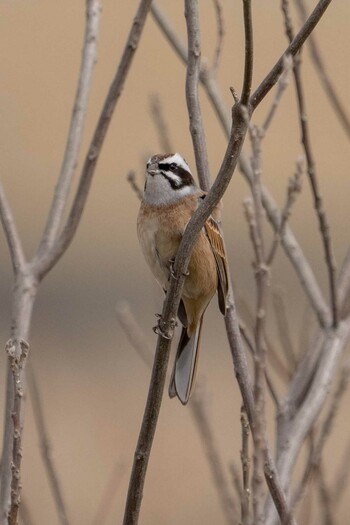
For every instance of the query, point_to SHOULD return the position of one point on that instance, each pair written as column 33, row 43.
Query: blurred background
column 92, row 382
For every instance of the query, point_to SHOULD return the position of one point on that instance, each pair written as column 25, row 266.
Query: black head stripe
column 185, row 177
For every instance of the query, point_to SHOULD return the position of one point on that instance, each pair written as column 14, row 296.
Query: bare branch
column 314, row 462
column 220, row 36
column 17, row 352
column 281, row 86
column 294, row 188
column 12, row 237
column 192, row 95
column 161, row 126
column 48, row 259
column 328, row 85
column 311, row 171
column 273, row 76
column 298, row 424
column 248, row 48
column 76, row 129
column 45, row 447
column 245, row 460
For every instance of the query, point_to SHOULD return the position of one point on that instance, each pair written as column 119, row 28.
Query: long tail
column 184, row 372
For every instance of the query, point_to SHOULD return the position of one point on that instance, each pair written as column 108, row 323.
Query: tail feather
column 185, row 367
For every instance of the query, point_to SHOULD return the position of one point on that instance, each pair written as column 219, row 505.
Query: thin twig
column 48, row 259
column 45, row 447
column 245, row 460
column 294, row 188
column 220, row 32
column 76, row 129
column 17, row 352
column 315, row 457
column 251, row 349
column 326, row 81
column 161, row 126
column 281, row 86
column 311, row 171
column 248, row 52
column 253, row 211
column 294, row 47
column 192, row 95
column 12, row 237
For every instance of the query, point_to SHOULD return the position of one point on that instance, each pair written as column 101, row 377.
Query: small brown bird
column 169, row 200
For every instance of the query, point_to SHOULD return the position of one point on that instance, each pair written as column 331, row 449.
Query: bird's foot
column 163, row 329
column 172, row 272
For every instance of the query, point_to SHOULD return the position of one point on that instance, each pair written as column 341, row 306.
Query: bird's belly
column 158, row 248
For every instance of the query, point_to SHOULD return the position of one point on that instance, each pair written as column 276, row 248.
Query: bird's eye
column 172, row 166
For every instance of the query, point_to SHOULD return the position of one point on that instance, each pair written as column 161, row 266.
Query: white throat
column 158, row 191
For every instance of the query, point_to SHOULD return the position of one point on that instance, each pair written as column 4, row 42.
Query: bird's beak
column 152, row 169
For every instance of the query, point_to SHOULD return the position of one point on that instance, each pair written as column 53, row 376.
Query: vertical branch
column 192, row 95
column 245, row 460
column 311, row 171
column 17, row 351
column 248, row 63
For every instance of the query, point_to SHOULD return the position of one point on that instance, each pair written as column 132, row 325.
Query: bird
column 170, row 198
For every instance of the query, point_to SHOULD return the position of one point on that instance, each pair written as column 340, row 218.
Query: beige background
column 93, row 384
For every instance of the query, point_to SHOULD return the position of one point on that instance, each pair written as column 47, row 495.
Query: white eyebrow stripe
column 178, row 160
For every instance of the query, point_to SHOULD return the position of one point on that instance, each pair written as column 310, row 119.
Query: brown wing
column 213, row 232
